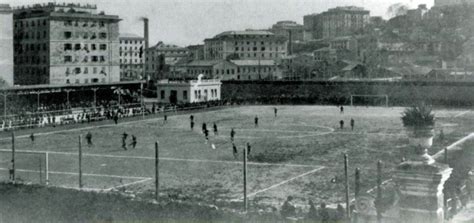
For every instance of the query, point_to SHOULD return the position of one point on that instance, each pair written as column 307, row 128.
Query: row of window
column 86, row 35
column 233, row 71
column 166, row 52
column 197, row 94
column 254, row 43
column 31, row 70
column 22, row 48
column 79, row 46
column 131, row 41
column 131, row 48
column 131, row 54
column 243, row 55
column 77, row 23
column 86, row 81
column 38, row 35
column 85, row 70
column 30, row 59
column 32, row 23
column 256, row 48
column 69, row 59
column 130, row 61
column 132, row 66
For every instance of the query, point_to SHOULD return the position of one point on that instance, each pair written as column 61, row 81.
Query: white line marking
column 383, row 183
column 166, row 158
column 460, row 141
column 85, row 174
column 129, row 184
column 284, row 182
column 461, row 114
column 441, row 154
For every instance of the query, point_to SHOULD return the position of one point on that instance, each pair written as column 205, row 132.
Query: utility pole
column 346, row 183
column 5, row 106
column 356, row 190
column 245, row 178
column 13, row 158
column 379, row 192
column 80, row 161
column 95, row 96
column 142, row 100
column 157, row 174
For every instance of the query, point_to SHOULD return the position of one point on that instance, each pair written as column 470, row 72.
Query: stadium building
column 65, row 44
column 180, row 92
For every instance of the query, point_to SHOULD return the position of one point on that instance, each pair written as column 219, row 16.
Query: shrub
column 418, row 116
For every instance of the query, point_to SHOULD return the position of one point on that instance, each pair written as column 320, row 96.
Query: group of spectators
column 104, row 111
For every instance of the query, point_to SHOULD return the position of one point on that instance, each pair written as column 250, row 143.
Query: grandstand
column 26, row 105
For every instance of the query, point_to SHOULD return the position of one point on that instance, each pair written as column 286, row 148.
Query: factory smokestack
column 145, row 35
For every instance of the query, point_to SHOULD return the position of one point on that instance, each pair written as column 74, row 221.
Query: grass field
column 297, row 153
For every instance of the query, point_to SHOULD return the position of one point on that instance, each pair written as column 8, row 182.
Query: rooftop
column 130, row 36
column 54, row 4
column 202, row 63
column 5, row 8
column 162, row 46
column 348, row 9
column 249, row 33
column 56, row 10
column 245, row 32
column 253, row 62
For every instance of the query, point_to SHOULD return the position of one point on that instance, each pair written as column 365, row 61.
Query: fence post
column 245, row 177
column 356, row 192
column 379, row 192
column 13, row 158
column 80, row 161
column 47, row 168
column 40, row 172
column 157, row 184
column 346, row 183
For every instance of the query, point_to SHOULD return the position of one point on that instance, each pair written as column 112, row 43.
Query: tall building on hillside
column 452, row 2
column 196, row 52
column 285, row 28
column 161, row 56
column 132, row 48
column 336, row 22
column 65, row 44
column 6, row 44
column 245, row 45
column 313, row 27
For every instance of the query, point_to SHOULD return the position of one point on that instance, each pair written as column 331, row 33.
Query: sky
column 186, row 22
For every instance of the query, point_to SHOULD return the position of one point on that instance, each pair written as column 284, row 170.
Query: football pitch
column 299, row 152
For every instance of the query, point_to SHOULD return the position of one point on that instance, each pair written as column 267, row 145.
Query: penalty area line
column 284, row 182
column 129, row 184
column 166, row 159
column 461, row 114
column 84, row 174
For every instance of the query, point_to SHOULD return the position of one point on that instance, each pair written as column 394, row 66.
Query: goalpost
column 376, row 99
column 29, row 165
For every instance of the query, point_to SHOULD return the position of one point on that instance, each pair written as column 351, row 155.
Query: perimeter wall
column 400, row 93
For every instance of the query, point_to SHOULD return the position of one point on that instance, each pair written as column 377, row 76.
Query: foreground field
column 298, row 153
